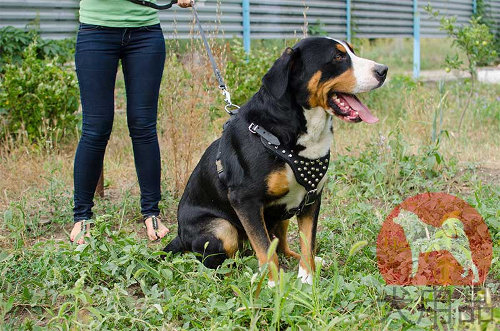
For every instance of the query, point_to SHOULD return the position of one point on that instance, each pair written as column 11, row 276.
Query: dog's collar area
column 307, row 172
column 271, row 138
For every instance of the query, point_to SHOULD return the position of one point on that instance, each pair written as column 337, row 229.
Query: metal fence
column 270, row 19
column 267, row 19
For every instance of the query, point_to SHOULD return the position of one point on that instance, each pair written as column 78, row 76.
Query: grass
column 118, row 280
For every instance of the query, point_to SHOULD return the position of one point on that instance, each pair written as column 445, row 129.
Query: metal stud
column 313, row 176
column 321, row 174
column 321, row 163
column 324, row 167
column 317, row 180
column 301, row 175
column 305, row 168
column 309, row 182
column 290, row 155
column 299, row 169
column 269, row 143
column 308, row 172
column 295, row 161
column 275, row 147
column 307, row 163
column 313, row 185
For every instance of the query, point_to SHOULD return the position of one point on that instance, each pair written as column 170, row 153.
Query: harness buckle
column 309, row 198
column 253, row 127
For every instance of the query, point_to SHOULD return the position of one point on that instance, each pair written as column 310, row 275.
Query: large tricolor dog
column 270, row 163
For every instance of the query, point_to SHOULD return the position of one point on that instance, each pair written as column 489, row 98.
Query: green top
column 117, row 13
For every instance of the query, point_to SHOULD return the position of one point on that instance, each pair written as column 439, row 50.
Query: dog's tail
column 175, row 246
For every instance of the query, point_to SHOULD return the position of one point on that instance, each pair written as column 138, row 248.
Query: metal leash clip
column 230, row 107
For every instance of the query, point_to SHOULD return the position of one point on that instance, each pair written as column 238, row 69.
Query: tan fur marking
column 280, row 232
column 341, row 48
column 277, row 183
column 319, row 91
column 227, row 233
column 307, row 258
column 256, row 243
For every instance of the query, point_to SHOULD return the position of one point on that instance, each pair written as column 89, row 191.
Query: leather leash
column 230, row 107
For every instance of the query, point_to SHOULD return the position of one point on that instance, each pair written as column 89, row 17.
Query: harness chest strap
column 308, row 172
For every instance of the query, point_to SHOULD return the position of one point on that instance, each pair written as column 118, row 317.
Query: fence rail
column 271, row 19
column 267, row 20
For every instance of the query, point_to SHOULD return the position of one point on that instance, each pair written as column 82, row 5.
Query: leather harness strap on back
column 308, row 173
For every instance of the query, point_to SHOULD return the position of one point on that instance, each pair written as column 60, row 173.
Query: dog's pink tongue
column 363, row 111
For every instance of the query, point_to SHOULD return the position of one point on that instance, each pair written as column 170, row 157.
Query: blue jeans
column 142, row 54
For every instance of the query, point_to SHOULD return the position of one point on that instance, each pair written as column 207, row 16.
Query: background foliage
column 38, row 97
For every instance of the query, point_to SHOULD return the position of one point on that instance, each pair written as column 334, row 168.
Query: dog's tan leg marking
column 280, row 231
column 346, row 82
column 227, row 233
column 259, row 239
column 307, row 228
column 277, row 183
column 306, row 247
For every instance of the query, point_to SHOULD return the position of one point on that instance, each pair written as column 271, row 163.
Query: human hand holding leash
column 185, row 3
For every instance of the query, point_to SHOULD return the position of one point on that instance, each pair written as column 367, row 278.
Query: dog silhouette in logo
column 425, row 238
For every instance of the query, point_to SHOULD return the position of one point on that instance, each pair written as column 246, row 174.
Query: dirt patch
column 489, row 175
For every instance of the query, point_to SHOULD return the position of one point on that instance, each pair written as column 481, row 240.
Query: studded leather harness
column 308, row 172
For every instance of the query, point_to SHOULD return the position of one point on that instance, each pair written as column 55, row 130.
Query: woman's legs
column 143, row 59
column 96, row 60
column 142, row 51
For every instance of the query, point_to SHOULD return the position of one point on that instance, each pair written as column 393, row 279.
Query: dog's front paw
column 305, row 276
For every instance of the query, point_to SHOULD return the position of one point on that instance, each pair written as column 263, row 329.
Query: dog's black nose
column 381, row 71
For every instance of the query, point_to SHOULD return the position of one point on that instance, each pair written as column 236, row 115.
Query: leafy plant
column 39, row 97
column 317, row 29
column 474, row 40
column 244, row 72
column 14, row 41
column 485, row 13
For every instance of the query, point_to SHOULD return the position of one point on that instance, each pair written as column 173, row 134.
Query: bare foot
column 77, row 228
column 155, row 234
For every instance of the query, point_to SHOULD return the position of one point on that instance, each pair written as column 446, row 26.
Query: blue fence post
column 348, row 20
column 246, row 25
column 474, row 7
column 416, row 40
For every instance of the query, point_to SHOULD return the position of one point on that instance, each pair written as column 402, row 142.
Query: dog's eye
column 339, row 57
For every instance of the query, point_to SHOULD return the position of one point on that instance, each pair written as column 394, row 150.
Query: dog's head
column 324, row 72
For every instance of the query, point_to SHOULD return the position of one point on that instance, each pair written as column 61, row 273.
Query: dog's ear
column 276, row 80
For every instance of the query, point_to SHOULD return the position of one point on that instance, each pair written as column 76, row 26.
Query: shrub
column 39, row 97
column 244, row 72
column 14, row 41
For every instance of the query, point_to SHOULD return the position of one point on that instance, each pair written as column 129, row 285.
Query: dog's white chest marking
column 319, row 136
column 317, row 141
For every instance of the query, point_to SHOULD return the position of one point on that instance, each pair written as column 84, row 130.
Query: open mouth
column 350, row 109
